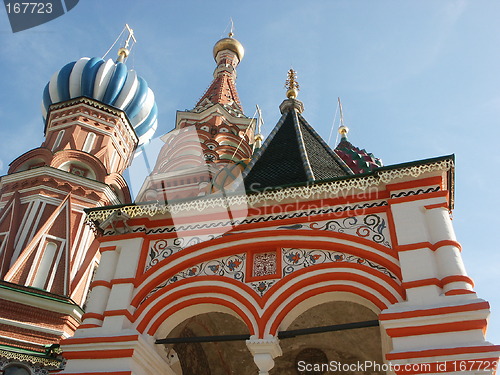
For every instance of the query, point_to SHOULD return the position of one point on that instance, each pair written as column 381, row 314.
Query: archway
column 331, row 352
column 209, row 358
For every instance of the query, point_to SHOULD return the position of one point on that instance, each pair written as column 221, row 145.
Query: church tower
column 96, row 114
column 208, row 140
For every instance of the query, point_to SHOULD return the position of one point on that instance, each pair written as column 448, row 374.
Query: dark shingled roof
column 293, row 154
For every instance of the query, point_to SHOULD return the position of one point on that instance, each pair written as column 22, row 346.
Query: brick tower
column 96, row 114
column 208, row 140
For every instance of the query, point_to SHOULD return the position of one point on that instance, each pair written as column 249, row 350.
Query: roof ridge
column 265, row 145
column 302, row 147
column 325, row 145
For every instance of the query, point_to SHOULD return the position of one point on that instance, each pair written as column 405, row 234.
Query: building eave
column 241, row 122
column 30, row 356
column 63, row 175
column 382, row 175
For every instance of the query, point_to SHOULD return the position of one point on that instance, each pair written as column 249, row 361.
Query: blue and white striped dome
column 110, row 83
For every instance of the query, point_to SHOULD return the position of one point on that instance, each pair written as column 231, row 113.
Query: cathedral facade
column 238, row 256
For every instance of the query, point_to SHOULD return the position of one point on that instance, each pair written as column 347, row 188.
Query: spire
column 292, row 91
column 292, row 85
column 293, row 152
column 258, row 136
column 228, row 52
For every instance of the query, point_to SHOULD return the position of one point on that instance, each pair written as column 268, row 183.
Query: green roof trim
column 38, row 293
column 15, row 349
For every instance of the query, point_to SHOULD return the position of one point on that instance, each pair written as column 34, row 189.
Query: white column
column 100, row 293
column 264, row 351
column 451, row 268
column 123, row 285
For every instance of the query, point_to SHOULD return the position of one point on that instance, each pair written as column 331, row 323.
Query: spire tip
column 292, row 85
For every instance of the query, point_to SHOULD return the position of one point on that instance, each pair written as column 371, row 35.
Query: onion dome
column 231, row 44
column 108, row 82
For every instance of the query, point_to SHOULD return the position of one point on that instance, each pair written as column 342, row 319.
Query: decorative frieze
column 295, row 259
column 232, row 266
column 315, row 191
column 266, row 264
column 163, row 248
column 372, row 227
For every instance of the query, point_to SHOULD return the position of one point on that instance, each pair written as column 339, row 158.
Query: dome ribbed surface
column 108, row 82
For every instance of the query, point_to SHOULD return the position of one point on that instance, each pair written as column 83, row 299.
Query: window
column 45, row 265
column 209, row 157
column 58, row 140
column 89, row 143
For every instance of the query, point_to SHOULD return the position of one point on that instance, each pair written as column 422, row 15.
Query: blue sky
column 417, row 79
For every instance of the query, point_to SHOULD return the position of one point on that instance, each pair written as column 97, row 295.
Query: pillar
column 450, row 266
column 264, row 351
column 101, row 287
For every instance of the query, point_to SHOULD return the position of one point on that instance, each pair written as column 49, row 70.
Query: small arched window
column 89, row 143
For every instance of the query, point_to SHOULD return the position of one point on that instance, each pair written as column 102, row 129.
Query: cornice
column 383, row 175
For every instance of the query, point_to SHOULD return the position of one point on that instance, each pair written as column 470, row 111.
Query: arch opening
column 209, row 358
column 317, row 353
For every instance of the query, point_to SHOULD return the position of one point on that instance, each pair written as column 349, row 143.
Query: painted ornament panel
column 264, row 264
column 372, row 227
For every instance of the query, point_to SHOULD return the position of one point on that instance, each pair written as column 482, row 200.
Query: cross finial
column 130, row 36
column 125, row 51
column 341, row 113
column 343, row 130
column 292, row 85
column 231, row 31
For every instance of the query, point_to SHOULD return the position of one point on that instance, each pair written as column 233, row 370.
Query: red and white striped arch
column 291, row 295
